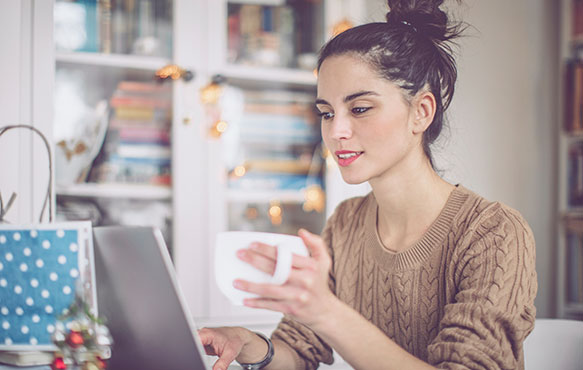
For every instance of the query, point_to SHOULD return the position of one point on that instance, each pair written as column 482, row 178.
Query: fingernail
column 241, row 253
column 254, row 245
column 237, row 284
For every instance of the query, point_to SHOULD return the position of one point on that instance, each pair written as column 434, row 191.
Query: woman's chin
column 353, row 180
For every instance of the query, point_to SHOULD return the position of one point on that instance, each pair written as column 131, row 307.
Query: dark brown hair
column 412, row 49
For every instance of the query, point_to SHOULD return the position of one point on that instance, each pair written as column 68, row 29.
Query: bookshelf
column 570, row 213
column 265, row 73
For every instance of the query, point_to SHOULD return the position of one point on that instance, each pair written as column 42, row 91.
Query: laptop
column 139, row 296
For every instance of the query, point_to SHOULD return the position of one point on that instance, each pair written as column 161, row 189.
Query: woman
column 419, row 273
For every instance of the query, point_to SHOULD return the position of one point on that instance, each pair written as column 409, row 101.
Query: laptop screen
column 141, row 302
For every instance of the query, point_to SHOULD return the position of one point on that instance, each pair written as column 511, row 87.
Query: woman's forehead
column 344, row 75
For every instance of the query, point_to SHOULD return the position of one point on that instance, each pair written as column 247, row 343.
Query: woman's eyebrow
column 359, row 94
column 348, row 97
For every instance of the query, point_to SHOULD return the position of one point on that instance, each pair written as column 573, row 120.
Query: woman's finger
column 226, row 358
column 270, row 291
column 269, row 251
column 257, row 260
column 268, row 304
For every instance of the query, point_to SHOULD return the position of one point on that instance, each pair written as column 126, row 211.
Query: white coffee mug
column 228, row 267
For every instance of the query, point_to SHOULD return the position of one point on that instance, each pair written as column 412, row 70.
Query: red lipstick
column 346, row 157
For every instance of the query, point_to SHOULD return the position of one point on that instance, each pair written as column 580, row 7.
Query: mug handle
column 283, row 265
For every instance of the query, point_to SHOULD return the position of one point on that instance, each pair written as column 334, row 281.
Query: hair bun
column 424, row 15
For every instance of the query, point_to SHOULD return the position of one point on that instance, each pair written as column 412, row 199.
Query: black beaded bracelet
column 268, row 357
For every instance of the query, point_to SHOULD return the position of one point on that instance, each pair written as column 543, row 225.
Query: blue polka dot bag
column 41, row 269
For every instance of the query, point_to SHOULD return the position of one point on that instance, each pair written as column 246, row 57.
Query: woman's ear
column 424, row 110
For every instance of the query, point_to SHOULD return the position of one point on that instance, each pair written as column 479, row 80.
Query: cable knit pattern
column 462, row 297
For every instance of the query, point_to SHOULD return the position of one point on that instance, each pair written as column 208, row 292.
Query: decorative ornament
column 83, row 340
column 58, row 364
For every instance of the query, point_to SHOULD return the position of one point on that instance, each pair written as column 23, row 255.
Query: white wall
column 25, row 98
column 503, row 129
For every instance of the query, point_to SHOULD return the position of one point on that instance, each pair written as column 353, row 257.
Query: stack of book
column 278, row 137
column 115, row 26
column 137, row 144
column 261, row 35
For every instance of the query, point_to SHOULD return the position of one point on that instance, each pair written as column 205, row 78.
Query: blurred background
column 197, row 117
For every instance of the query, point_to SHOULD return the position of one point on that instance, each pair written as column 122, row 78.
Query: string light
column 315, row 200
column 275, row 212
column 211, row 93
column 218, row 128
column 239, row 171
column 341, row 26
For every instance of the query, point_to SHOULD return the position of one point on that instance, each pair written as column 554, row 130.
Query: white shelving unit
column 121, row 191
column 112, row 60
column 568, row 217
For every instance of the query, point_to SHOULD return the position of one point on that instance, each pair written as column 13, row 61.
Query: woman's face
column 365, row 120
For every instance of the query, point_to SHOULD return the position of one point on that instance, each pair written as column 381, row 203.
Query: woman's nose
column 341, row 128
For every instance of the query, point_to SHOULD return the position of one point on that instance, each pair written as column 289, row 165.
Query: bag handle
column 48, row 196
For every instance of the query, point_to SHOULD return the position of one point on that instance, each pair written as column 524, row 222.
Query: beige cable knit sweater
column 462, row 297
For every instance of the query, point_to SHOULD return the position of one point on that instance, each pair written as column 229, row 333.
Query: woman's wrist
column 327, row 317
column 254, row 348
column 260, row 364
column 328, row 321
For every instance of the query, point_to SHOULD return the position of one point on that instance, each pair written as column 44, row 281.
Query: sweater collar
column 422, row 249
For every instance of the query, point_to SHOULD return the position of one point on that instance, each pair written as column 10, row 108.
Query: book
column 143, row 150
column 38, row 358
column 118, row 100
column 141, row 113
column 574, row 96
column 305, row 111
column 104, row 16
column 26, row 358
column 575, row 167
column 577, row 19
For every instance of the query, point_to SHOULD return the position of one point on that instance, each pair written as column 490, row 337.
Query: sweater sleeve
column 310, row 349
column 493, row 308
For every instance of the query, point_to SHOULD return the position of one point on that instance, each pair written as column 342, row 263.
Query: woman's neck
column 408, row 204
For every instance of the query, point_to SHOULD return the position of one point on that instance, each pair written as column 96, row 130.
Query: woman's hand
column 230, row 343
column 306, row 295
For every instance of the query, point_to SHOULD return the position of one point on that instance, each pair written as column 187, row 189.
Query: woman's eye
column 360, row 110
column 326, row 115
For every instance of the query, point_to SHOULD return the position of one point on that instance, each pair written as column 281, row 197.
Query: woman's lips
column 346, row 157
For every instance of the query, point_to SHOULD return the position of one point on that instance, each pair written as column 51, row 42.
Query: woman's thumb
column 314, row 242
